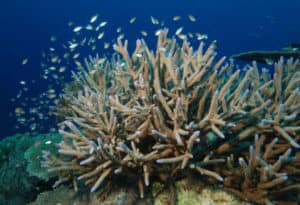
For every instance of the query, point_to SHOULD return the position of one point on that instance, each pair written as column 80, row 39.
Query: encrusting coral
column 192, row 191
column 162, row 115
column 34, row 154
column 16, row 185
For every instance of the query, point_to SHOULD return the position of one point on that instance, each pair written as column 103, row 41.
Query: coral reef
column 159, row 116
column 33, row 155
column 64, row 196
column 17, row 187
column 187, row 194
column 191, row 193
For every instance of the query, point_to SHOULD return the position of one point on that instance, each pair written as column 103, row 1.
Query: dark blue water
column 237, row 25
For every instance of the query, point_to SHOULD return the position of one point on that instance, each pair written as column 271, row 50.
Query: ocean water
column 27, row 26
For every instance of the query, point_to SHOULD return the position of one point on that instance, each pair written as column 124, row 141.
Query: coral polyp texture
column 175, row 112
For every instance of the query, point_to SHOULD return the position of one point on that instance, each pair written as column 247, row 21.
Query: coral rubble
column 160, row 116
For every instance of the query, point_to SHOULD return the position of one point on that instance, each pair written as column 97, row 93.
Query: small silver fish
column 106, row 45
column 76, row 55
column 24, row 61
column 94, row 18
column 73, row 45
column 89, row 27
column 176, row 18
column 158, row 32
column 77, row 29
column 192, row 18
column 178, row 31
column 144, row 33
column 154, row 20
column 132, row 20
column 119, row 29
column 102, row 24
column 100, row 36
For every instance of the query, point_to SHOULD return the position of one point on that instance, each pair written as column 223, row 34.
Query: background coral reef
column 18, row 187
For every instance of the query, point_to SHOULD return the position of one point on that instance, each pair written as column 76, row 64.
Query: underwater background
column 84, row 119
column 27, row 26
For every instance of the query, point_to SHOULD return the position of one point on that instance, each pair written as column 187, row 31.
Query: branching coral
column 163, row 114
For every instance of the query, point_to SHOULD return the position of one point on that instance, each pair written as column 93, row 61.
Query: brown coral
column 161, row 115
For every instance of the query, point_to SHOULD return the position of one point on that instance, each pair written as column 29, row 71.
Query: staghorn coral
column 262, row 171
column 162, row 115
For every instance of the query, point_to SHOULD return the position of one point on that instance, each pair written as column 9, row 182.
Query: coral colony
column 167, row 114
